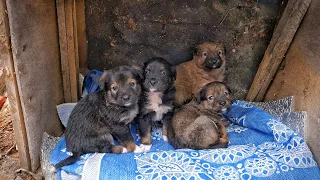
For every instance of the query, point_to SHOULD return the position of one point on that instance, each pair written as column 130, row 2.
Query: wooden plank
column 66, row 11
column 12, row 89
column 60, row 5
column 279, row 44
column 35, row 52
column 81, row 32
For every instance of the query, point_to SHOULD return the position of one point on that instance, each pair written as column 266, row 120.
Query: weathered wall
column 299, row 75
column 35, row 49
column 132, row 31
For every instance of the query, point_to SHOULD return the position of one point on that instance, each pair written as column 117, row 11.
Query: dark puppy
column 208, row 65
column 99, row 116
column 157, row 100
column 197, row 125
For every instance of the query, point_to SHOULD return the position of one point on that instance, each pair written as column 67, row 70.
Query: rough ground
column 9, row 156
column 132, row 31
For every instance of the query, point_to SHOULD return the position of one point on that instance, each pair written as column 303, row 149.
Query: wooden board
column 300, row 76
column 81, row 32
column 280, row 42
column 12, row 89
column 35, row 52
column 67, row 23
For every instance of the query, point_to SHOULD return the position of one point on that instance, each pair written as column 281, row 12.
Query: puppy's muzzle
column 213, row 62
column 153, row 81
column 222, row 103
column 126, row 97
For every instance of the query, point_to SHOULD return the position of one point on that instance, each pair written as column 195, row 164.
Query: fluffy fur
column 208, row 65
column 99, row 116
column 157, row 100
column 198, row 125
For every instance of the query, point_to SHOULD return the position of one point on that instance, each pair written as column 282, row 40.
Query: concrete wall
column 299, row 75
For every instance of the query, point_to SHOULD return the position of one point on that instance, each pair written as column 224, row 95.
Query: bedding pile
column 260, row 147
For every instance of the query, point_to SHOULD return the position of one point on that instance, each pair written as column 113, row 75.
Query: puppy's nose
column 222, row 103
column 126, row 97
column 214, row 61
column 153, row 81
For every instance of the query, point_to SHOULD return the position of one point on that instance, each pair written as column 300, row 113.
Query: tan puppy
column 197, row 125
column 208, row 65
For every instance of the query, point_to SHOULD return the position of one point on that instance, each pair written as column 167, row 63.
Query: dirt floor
column 9, row 156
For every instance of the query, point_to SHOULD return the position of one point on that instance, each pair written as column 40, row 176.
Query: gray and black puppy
column 157, row 98
column 101, row 115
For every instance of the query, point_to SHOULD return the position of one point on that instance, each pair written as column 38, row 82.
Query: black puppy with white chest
column 157, row 98
column 101, row 115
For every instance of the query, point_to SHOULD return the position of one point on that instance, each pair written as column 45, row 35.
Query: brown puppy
column 208, row 65
column 197, row 125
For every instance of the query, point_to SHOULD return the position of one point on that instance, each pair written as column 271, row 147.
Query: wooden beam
column 67, row 23
column 81, row 32
column 279, row 44
column 12, row 89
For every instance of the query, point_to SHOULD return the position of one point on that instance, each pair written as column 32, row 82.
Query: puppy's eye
column 132, row 84
column 114, row 88
column 211, row 98
column 205, row 54
column 147, row 71
column 163, row 73
column 226, row 93
column 220, row 52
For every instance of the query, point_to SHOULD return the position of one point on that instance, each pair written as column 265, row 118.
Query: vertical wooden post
column 67, row 23
column 279, row 44
column 12, row 89
column 81, row 32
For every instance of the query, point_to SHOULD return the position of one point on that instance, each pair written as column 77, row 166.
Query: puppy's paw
column 138, row 149
column 165, row 138
column 145, row 147
column 124, row 150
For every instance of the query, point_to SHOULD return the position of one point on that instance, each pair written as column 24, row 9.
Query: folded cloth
column 91, row 81
column 260, row 147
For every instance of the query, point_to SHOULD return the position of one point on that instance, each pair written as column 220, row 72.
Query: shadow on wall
column 131, row 32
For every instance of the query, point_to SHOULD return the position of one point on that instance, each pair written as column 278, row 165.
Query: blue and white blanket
column 260, row 147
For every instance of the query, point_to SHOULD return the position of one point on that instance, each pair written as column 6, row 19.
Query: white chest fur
column 155, row 104
column 130, row 115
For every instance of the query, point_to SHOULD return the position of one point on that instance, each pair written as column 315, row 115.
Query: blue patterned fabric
column 260, row 147
column 91, row 81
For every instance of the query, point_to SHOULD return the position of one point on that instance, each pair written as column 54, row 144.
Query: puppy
column 157, row 100
column 208, row 65
column 101, row 115
column 197, row 125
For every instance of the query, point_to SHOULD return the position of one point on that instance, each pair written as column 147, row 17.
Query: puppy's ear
column 174, row 72
column 222, row 52
column 196, row 51
column 139, row 71
column 200, row 96
column 229, row 90
column 104, row 79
